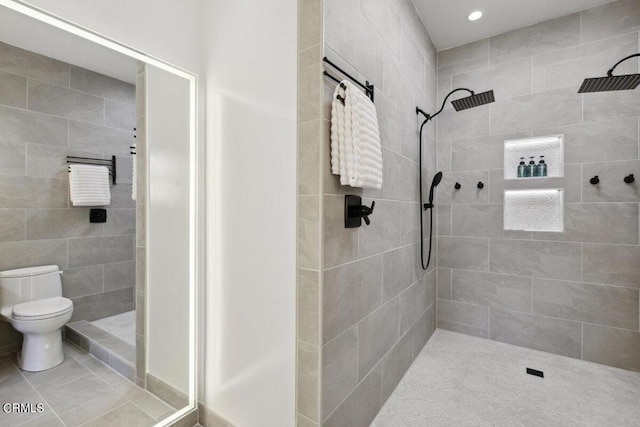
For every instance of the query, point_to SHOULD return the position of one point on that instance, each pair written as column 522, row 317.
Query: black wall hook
column 595, row 180
column 457, row 186
column 629, row 179
column 355, row 211
column 480, row 185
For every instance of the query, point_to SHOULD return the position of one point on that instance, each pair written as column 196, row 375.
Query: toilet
column 31, row 300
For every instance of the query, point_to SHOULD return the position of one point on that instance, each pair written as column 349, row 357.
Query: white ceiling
column 27, row 33
column 447, row 24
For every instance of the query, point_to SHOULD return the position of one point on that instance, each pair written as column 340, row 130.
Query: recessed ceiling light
column 475, row 15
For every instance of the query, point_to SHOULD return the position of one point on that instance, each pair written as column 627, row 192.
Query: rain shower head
column 475, row 100
column 610, row 82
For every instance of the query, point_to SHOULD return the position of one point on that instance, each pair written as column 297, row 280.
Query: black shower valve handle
column 457, row 186
column 629, row 179
column 365, row 211
column 480, row 185
column 595, row 180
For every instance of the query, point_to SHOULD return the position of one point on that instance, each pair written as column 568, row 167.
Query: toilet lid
column 42, row 309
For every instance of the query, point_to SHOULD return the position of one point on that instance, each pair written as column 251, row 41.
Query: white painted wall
column 168, row 217
column 250, row 58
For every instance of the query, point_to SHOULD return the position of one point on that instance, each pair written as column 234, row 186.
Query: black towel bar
column 368, row 88
column 109, row 163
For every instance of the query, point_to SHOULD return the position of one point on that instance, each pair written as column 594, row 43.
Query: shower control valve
column 355, row 211
column 629, row 179
column 595, row 180
column 457, row 186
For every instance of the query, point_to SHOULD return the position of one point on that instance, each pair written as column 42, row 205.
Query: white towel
column 89, row 185
column 134, row 181
column 356, row 154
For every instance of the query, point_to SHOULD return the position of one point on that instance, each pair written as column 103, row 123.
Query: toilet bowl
column 31, row 300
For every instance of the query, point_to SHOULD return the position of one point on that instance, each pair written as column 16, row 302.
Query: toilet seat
column 42, row 309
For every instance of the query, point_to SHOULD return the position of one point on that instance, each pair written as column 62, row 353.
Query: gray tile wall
column 377, row 305
column 573, row 293
column 48, row 110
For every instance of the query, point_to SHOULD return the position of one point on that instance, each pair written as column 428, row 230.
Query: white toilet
column 31, row 300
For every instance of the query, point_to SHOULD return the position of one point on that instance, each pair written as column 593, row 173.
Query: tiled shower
column 50, row 110
column 366, row 308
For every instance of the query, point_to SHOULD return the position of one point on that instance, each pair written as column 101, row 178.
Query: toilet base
column 41, row 351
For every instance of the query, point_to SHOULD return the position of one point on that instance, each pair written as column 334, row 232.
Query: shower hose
column 430, row 207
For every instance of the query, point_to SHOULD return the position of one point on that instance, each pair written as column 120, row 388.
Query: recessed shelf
column 551, row 147
column 534, row 210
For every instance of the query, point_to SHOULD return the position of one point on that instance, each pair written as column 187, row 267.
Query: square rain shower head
column 610, row 83
column 475, row 100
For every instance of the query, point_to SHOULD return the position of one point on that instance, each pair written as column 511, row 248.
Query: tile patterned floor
column 459, row 380
column 82, row 391
column 122, row 326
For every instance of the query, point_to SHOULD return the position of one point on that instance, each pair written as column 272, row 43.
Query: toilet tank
column 28, row 284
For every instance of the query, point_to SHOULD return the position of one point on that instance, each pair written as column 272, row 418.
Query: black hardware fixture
column 629, row 179
column 355, row 211
column 98, row 215
column 535, row 372
column 474, row 100
column 595, row 180
column 457, row 186
column 368, row 87
column 110, row 164
column 611, row 82
column 480, row 185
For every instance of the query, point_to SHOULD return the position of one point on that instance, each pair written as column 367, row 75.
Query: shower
column 471, row 101
column 610, row 82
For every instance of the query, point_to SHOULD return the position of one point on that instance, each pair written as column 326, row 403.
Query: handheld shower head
column 436, row 180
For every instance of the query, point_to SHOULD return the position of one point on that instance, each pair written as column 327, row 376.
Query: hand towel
column 89, row 185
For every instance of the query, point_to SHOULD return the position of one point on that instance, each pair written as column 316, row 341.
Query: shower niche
column 534, row 203
column 551, row 148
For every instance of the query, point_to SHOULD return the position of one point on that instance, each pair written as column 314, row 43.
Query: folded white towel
column 134, row 180
column 89, row 185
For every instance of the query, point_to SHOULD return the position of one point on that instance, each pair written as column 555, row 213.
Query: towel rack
column 110, row 164
column 368, row 88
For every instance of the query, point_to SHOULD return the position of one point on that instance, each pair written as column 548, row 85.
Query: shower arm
column 431, row 116
column 610, row 72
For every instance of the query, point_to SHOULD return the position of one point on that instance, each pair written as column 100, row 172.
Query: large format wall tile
column 463, row 59
column 597, row 141
column 569, row 67
column 18, row 61
column 482, row 221
column 506, row 81
column 610, row 105
column 398, row 271
column 395, row 364
column 100, row 250
column 28, row 192
column 309, row 137
column 611, row 264
column 423, row 329
column 307, row 390
column 605, row 305
column 120, row 116
column 100, row 85
column 26, row 126
column 554, row 108
column 13, row 225
column 361, row 406
column 463, row 252
column 99, row 306
column 469, row 192
column 444, row 282
column 308, row 306
column 60, row 223
column 464, row 318
column 77, row 282
column 12, row 158
column 350, row 292
column 553, row 260
column 13, row 90
column 90, row 137
column 597, row 223
column 615, row 347
column 537, row 332
column 393, row 224
column 339, row 369
column 539, row 38
column 415, row 300
column 118, row 275
column 618, row 17
column 340, row 244
column 377, row 333
column 308, row 232
column 470, row 123
column 492, row 290
column 70, row 104
column 31, row 253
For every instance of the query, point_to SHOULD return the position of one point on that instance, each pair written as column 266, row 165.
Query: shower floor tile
column 459, row 380
column 122, row 326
